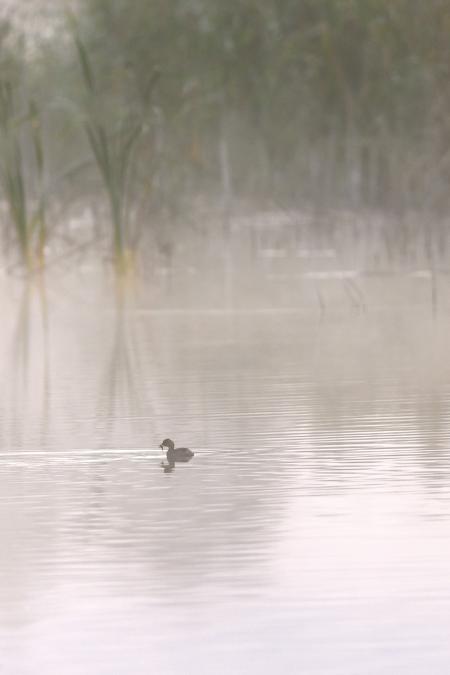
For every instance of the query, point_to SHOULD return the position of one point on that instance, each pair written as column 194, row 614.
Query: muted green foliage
column 331, row 103
column 112, row 144
column 330, row 98
column 22, row 161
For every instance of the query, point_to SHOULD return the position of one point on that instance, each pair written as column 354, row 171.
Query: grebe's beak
column 161, row 446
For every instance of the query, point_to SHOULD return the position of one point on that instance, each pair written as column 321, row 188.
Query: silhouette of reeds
column 25, row 201
column 113, row 151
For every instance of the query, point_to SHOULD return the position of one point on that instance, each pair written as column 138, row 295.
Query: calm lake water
column 309, row 534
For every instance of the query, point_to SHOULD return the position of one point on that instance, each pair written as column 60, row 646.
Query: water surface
column 310, row 533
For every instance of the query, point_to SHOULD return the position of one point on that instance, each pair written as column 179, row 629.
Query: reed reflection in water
column 308, row 534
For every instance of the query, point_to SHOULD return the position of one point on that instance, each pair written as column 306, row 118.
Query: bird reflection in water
column 168, row 467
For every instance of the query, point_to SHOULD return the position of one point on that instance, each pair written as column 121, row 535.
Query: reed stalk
column 27, row 220
column 113, row 152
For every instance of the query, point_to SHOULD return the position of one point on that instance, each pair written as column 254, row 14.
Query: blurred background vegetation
column 132, row 126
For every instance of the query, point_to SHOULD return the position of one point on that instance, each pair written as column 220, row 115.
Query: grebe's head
column 167, row 443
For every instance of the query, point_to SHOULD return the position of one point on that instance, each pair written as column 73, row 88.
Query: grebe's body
column 174, row 454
